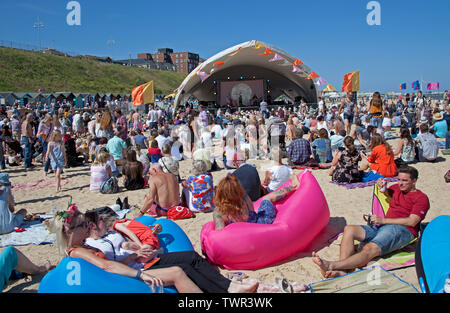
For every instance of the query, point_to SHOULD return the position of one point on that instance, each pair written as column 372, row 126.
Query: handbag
column 179, row 212
column 110, row 186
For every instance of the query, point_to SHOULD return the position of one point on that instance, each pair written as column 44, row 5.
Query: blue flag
column 403, row 86
column 416, row 85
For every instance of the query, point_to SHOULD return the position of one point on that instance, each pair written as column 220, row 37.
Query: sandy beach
column 346, row 207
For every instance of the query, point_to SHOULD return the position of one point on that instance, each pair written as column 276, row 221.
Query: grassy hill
column 27, row 71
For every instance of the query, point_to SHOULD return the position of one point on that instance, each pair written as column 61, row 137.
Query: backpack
column 447, row 177
column 110, row 186
column 179, row 212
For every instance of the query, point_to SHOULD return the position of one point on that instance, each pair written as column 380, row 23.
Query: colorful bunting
column 236, row 52
column 313, row 75
column 267, row 52
column 295, row 69
column 321, row 81
column 277, row 57
column 297, row 62
column 203, row 76
column 258, row 45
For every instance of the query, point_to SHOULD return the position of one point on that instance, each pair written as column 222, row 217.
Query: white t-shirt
column 153, row 116
column 386, row 122
column 280, row 175
column 110, row 245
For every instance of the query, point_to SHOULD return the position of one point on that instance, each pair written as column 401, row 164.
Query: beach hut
column 37, row 97
column 80, row 100
column 23, row 97
column 49, row 98
column 2, row 100
column 10, row 97
column 67, row 96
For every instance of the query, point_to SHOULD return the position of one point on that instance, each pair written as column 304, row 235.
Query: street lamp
column 39, row 25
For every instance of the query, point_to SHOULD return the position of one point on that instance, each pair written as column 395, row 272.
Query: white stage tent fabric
column 282, row 73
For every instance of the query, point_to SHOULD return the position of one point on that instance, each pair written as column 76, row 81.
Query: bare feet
column 236, row 287
column 326, row 267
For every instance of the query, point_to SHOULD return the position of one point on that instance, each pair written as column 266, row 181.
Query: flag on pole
column 351, row 82
column 143, row 94
column 403, row 86
column 416, row 85
column 433, row 86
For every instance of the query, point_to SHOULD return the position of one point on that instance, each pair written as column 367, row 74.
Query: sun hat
column 437, row 116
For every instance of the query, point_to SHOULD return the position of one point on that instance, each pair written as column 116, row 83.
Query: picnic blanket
column 363, row 184
column 39, row 184
column 35, row 233
column 370, row 280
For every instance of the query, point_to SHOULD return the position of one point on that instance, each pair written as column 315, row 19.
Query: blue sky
column 330, row 36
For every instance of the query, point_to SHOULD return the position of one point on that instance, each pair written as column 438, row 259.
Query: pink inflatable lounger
column 245, row 246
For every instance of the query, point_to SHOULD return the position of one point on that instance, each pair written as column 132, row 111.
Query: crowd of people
column 132, row 150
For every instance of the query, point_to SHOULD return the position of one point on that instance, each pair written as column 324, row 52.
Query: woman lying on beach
column 233, row 205
column 187, row 271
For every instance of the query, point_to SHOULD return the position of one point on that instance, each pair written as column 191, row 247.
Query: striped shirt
column 98, row 176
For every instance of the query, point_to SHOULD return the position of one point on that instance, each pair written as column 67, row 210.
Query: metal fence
column 29, row 47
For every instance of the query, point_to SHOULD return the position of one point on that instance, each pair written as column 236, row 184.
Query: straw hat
column 437, row 116
column 423, row 120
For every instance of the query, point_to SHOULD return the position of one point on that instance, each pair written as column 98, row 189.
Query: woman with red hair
column 232, row 204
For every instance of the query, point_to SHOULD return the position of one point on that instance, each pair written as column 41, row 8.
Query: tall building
column 184, row 62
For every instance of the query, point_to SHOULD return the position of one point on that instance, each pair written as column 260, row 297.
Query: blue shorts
column 8, row 262
column 388, row 237
column 348, row 117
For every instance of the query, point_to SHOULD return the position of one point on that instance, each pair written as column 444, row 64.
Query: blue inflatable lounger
column 433, row 255
column 74, row 275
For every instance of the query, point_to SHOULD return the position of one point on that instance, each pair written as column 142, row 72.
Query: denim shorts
column 348, row 117
column 388, row 237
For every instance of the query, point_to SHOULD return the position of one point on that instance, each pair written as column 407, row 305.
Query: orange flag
column 143, row 94
column 351, row 82
column 267, row 52
column 313, row 75
column 297, row 62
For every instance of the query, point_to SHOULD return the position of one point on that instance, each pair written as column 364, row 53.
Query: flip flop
column 19, row 230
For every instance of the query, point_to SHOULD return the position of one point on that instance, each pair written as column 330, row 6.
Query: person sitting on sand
column 187, row 271
column 233, row 205
column 407, row 209
column 133, row 172
column 277, row 174
column 381, row 159
column 198, row 189
column 12, row 259
column 164, row 192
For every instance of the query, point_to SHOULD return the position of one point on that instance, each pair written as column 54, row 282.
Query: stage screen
column 241, row 93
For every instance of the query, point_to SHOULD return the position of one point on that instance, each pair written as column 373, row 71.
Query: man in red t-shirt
column 407, row 209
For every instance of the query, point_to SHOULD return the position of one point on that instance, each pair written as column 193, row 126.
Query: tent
column 251, row 60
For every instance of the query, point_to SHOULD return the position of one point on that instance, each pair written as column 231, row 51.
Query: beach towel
column 363, row 184
column 35, row 233
column 441, row 142
column 370, row 280
column 39, row 184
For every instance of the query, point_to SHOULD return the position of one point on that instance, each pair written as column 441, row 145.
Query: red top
column 154, row 151
column 405, row 204
column 382, row 162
